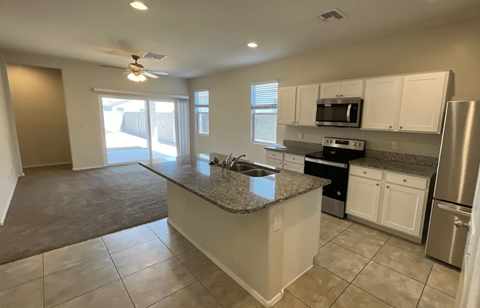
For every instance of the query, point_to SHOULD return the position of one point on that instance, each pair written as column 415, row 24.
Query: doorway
column 138, row 129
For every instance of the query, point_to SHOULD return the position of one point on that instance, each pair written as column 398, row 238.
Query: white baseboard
column 248, row 288
column 87, row 168
column 48, row 165
column 4, row 214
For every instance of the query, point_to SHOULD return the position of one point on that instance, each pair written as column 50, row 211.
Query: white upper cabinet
column 344, row 89
column 363, row 198
column 286, row 105
column 352, row 88
column 423, row 102
column 330, row 90
column 403, row 209
column 306, row 105
column 382, row 99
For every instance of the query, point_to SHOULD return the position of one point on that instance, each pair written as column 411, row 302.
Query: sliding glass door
column 137, row 129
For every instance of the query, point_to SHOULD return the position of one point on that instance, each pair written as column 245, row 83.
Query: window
column 264, row 112
column 202, row 118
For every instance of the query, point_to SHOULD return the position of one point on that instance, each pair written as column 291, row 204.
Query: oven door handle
column 326, row 162
column 349, row 109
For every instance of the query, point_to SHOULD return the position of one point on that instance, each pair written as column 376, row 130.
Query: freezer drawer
column 447, row 234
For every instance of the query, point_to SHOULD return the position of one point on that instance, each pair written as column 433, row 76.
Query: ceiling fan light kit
column 137, row 72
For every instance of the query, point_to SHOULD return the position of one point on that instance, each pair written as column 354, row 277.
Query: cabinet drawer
column 297, row 159
column 275, row 163
column 275, row 155
column 406, row 180
column 366, row 172
column 293, row 167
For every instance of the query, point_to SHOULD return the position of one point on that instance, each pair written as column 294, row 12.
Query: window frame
column 196, row 105
column 254, row 108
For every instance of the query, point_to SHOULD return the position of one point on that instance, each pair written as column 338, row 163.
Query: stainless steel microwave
column 342, row 112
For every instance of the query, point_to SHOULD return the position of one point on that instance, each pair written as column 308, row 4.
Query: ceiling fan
column 137, row 72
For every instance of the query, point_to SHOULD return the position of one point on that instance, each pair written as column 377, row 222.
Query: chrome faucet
column 235, row 160
column 229, row 163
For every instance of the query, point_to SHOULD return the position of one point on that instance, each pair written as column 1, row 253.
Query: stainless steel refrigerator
column 457, row 172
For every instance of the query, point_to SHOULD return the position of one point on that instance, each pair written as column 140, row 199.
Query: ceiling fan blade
column 116, row 67
column 157, row 72
column 149, row 75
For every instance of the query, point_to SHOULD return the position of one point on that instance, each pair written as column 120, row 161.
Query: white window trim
column 252, row 115
column 195, row 105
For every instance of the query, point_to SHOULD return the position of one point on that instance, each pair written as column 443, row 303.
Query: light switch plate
column 394, row 145
column 300, row 136
column 277, row 223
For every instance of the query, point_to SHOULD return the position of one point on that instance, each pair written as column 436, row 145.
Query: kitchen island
column 262, row 231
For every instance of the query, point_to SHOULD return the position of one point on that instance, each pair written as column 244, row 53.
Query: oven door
column 339, row 112
column 334, row 194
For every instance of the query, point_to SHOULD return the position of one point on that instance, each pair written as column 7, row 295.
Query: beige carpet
column 53, row 207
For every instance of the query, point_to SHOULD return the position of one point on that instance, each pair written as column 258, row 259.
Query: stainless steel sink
column 241, row 167
column 258, row 173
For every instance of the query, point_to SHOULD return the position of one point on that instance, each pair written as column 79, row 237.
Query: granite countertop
column 396, row 166
column 292, row 150
column 233, row 192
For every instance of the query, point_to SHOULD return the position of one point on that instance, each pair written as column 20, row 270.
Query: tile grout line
column 120, row 276
column 424, row 286
column 297, row 298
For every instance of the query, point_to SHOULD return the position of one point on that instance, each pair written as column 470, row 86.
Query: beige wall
column 83, row 111
column 455, row 47
column 10, row 165
column 39, row 103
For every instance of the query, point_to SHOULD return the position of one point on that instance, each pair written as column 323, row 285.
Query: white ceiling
column 205, row 36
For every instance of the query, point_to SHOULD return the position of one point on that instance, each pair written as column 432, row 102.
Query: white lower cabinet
column 363, row 197
column 403, row 209
column 286, row 161
column 393, row 200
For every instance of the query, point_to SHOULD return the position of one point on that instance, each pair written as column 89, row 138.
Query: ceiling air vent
column 153, row 55
column 334, row 14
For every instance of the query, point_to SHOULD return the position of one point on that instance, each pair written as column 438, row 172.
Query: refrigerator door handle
column 452, row 209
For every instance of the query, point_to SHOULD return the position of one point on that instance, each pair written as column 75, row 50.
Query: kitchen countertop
column 233, row 192
column 396, row 166
column 292, row 150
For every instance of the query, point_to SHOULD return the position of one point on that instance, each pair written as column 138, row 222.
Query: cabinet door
column 382, row 98
column 330, row 90
column 306, row 110
column 363, row 198
column 274, row 162
column 352, row 88
column 286, row 105
column 423, row 102
column 293, row 167
column 403, row 209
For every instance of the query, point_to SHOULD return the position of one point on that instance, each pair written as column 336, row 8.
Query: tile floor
column 154, row 266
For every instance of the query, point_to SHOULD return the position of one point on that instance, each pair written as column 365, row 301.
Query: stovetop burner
column 340, row 150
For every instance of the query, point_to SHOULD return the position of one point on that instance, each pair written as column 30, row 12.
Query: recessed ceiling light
column 252, row 45
column 138, row 5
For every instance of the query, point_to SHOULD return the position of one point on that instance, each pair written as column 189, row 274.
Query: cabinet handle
column 388, row 186
column 341, row 95
column 337, row 95
column 390, row 126
column 378, row 184
column 364, row 172
column 401, row 127
column 404, row 180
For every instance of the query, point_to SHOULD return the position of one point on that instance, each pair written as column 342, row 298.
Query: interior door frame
column 102, row 122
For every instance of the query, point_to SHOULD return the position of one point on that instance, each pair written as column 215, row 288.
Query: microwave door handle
column 349, row 109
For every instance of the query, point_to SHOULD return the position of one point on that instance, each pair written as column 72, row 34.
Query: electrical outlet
column 89, row 155
column 277, row 223
column 300, row 136
column 85, row 127
column 394, row 145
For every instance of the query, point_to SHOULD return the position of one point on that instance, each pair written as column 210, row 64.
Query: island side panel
column 301, row 234
column 240, row 242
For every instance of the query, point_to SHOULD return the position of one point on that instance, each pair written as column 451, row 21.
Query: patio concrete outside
column 122, row 147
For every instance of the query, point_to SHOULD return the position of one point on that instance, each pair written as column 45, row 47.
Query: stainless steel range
column 333, row 164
